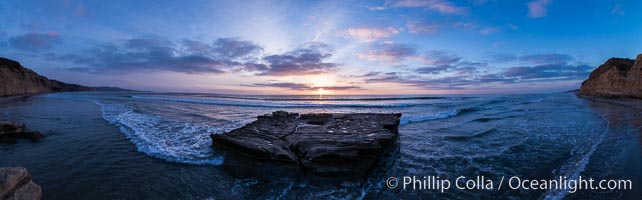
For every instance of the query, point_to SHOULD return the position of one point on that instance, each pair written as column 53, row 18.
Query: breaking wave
column 173, row 141
column 225, row 102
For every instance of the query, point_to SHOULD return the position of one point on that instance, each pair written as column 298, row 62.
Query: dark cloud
column 502, row 58
column 302, row 61
column 352, row 87
column 299, row 86
column 291, row 86
column 564, row 72
column 496, row 78
column 431, row 83
column 438, row 57
column 225, row 48
column 150, row 53
column 441, row 83
column 393, row 52
column 418, row 78
column 472, row 64
column 460, row 68
column 154, row 53
column 35, row 41
column 434, row 70
column 552, row 58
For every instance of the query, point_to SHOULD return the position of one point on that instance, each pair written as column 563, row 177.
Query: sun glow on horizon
column 321, row 92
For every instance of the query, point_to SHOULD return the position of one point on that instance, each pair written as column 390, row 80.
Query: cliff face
column 617, row 77
column 18, row 80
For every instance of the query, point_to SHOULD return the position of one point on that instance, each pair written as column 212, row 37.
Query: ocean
column 141, row 145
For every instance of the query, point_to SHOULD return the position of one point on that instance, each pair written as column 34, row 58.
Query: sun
column 321, row 81
column 321, row 92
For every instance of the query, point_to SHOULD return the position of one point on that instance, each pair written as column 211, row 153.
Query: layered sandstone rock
column 617, row 77
column 320, row 144
column 16, row 183
column 18, row 80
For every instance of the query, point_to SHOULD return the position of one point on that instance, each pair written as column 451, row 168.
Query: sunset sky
column 342, row 47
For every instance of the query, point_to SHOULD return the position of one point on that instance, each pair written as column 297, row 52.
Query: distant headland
column 16, row 80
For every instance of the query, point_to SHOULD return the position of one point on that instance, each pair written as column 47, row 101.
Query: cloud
column 154, row 53
column 418, row 27
column 303, row 61
column 549, row 72
column 502, row 58
column 442, row 83
column 291, row 86
column 489, row 30
column 617, row 10
column 460, row 68
column 537, row 8
column 441, row 6
column 393, row 53
column 440, row 57
column 389, row 51
column 299, row 86
column 35, row 41
column 551, row 58
column 377, row 8
column 369, row 34
column 477, row 78
column 434, row 70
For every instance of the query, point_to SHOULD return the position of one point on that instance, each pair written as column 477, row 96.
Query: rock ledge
column 11, row 130
column 15, row 183
column 320, row 144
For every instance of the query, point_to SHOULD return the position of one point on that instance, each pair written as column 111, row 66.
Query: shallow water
column 153, row 145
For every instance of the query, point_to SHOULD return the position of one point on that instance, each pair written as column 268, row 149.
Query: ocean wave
column 274, row 105
column 172, row 141
column 465, row 137
column 575, row 165
column 342, row 99
column 431, row 116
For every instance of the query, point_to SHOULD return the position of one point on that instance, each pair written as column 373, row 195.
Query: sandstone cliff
column 18, row 80
column 617, row 77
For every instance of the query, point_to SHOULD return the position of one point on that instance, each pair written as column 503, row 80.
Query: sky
column 329, row 47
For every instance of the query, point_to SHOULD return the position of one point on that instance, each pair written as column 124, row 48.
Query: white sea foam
column 172, row 141
column 577, row 163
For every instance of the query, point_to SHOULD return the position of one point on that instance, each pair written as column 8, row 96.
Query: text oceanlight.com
column 571, row 185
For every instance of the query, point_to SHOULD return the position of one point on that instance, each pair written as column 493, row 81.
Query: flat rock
column 15, row 183
column 328, row 144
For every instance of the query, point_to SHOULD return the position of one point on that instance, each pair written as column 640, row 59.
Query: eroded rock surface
column 617, row 77
column 320, row 144
column 12, row 130
column 16, row 183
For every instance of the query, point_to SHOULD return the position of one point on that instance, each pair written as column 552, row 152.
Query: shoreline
column 15, row 99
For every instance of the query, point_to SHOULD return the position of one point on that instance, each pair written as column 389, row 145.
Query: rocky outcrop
column 617, row 77
column 18, row 80
column 12, row 130
column 16, row 183
column 320, row 144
